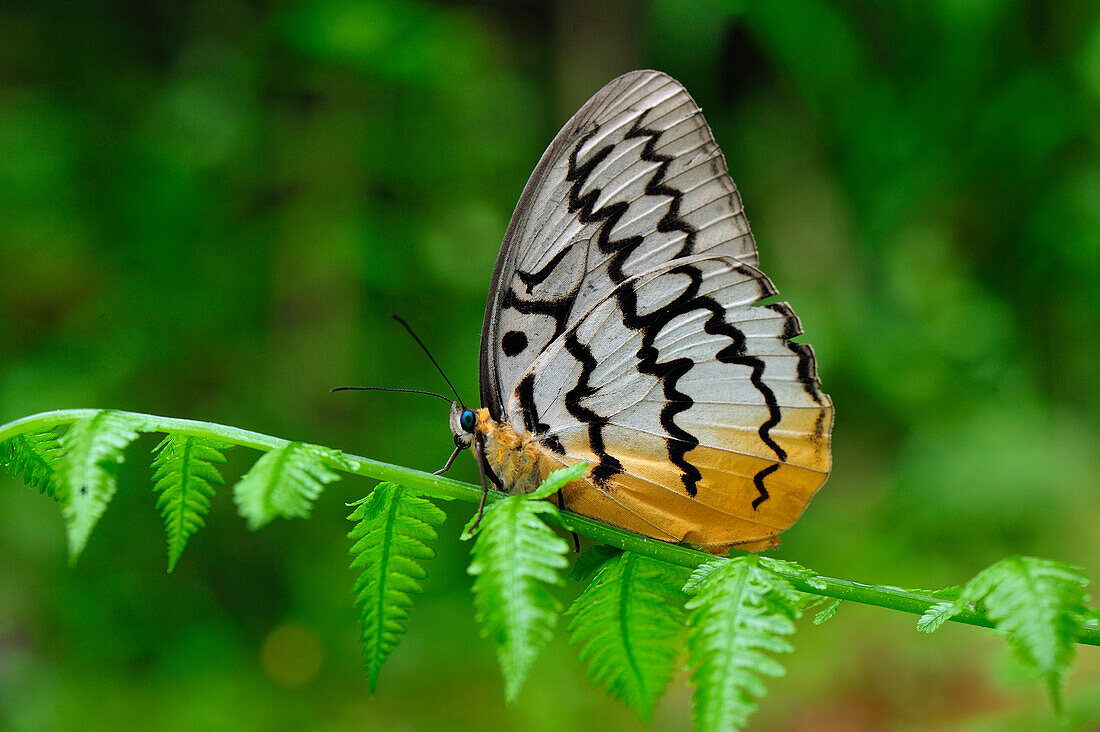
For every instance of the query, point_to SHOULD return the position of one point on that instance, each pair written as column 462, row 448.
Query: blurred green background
column 209, row 210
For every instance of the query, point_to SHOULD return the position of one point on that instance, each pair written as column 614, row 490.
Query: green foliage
column 1038, row 603
column 34, row 456
column 185, row 474
column 392, row 533
column 285, row 482
column 87, row 471
column 589, row 563
column 937, row 615
column 828, row 612
column 516, row 559
column 785, row 567
column 627, row 623
column 557, row 480
column 740, row 614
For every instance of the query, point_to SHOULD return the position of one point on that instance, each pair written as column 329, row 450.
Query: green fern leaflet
column 557, row 480
column 828, row 612
column 516, row 558
column 392, row 533
column 86, row 474
column 285, row 482
column 588, row 564
column 34, row 456
column 937, row 615
column 740, row 614
column 626, row 623
column 1038, row 603
column 185, row 474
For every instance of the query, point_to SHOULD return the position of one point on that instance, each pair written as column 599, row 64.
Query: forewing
column 632, row 182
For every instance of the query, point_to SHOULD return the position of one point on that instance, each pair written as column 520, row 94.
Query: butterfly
column 628, row 326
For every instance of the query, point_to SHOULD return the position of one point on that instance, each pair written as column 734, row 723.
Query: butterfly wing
column 702, row 420
column 633, row 180
column 623, row 329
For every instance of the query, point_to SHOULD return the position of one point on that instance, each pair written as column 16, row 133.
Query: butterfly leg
column 450, row 460
column 576, row 539
column 479, row 454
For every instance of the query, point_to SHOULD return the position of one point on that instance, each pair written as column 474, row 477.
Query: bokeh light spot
column 291, row 656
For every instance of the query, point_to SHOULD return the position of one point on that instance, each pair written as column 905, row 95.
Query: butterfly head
column 463, row 424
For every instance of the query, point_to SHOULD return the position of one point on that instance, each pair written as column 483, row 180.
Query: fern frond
column 285, row 482
column 87, row 471
column 740, row 613
column 587, row 564
column 937, row 615
column 516, row 558
column 185, row 473
column 1038, row 603
column 626, row 622
column 557, row 479
column 392, row 533
column 34, row 456
column 785, row 567
column 828, row 612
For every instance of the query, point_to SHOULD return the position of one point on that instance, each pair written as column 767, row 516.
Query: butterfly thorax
column 515, row 456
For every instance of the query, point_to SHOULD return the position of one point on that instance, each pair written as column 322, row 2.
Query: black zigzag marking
column 556, row 309
column 534, row 279
column 758, row 481
column 807, row 366
column 608, row 465
column 525, row 390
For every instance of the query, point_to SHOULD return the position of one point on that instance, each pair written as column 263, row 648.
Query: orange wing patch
column 729, row 508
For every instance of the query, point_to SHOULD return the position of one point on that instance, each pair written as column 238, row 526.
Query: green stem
column 437, row 486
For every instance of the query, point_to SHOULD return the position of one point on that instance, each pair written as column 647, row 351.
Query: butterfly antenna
column 387, row 388
column 420, row 343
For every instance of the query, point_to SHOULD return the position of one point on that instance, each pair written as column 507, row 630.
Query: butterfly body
column 518, row 461
column 629, row 326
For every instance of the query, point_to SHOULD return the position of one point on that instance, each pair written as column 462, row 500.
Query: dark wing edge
column 491, row 398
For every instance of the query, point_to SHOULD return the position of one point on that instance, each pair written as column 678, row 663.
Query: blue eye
column 467, row 420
